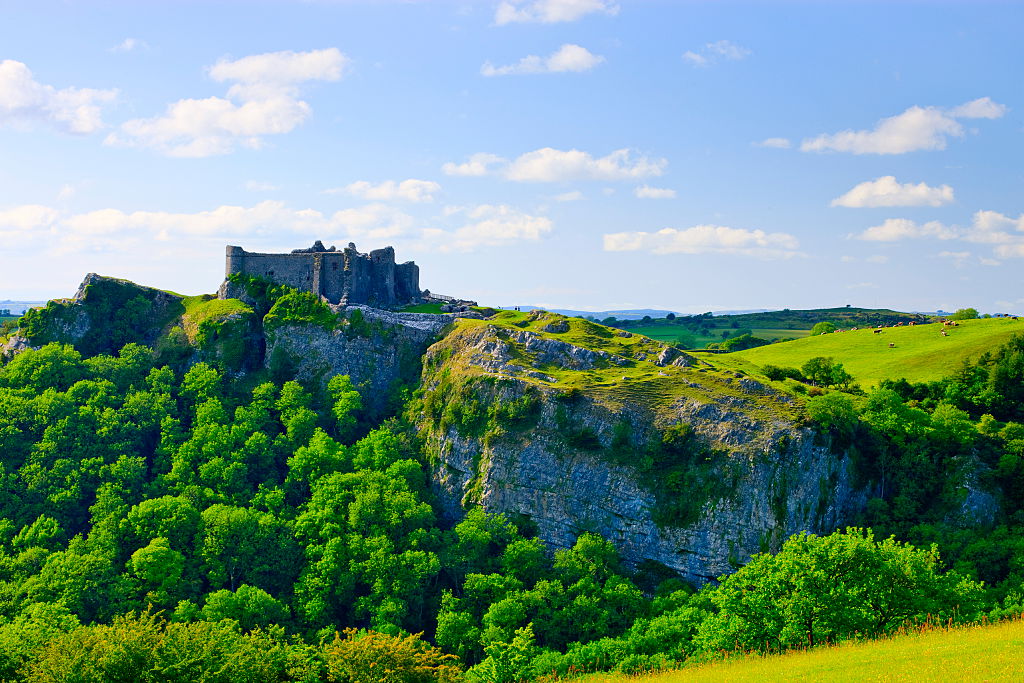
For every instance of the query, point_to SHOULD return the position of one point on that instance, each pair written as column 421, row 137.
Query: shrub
column 371, row 657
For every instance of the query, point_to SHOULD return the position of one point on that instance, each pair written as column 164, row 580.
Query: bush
column 371, row 657
column 965, row 314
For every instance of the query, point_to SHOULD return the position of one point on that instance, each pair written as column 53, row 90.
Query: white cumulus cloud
column 27, row 217
column 24, row 101
column 706, row 239
column 896, row 229
column 648, row 192
column 410, row 190
column 554, row 165
column 886, row 191
column 917, row 128
column 567, row 58
column 263, row 100
column 713, row 53
column 489, row 225
column 1005, row 233
column 550, row 11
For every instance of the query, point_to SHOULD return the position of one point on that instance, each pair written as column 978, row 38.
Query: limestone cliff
column 528, row 420
column 377, row 349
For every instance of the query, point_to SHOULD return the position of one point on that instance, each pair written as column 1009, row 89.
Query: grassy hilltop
column 920, row 353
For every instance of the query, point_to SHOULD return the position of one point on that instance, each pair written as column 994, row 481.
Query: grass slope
column 920, row 354
column 980, row 653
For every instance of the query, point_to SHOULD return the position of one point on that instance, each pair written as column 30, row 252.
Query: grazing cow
column 892, row 345
column 878, row 331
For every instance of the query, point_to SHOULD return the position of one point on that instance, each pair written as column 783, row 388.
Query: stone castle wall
column 342, row 277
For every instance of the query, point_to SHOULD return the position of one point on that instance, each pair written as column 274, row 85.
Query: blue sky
column 582, row 154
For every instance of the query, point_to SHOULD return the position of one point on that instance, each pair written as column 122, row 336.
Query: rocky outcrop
column 105, row 314
column 774, row 477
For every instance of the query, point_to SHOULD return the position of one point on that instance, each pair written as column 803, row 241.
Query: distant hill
column 697, row 331
column 919, row 353
column 19, row 307
column 630, row 314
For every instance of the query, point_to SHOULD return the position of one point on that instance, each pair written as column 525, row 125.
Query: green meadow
column 979, row 653
column 918, row 353
column 671, row 334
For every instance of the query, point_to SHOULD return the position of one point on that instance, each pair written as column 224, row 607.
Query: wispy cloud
column 568, row 58
column 488, row 225
column 712, row 53
column 130, row 45
column 648, row 192
column 410, row 190
column 261, row 186
column 707, row 239
column 774, row 143
column 479, row 164
column 550, row 11
column 549, row 165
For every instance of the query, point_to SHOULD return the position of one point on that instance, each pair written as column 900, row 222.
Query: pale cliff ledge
column 343, row 276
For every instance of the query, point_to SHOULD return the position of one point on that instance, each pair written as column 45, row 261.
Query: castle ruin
column 340, row 276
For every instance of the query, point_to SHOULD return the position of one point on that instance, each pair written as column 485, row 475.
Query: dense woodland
column 176, row 521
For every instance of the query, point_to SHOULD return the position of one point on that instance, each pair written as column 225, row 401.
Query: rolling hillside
column 919, row 353
column 988, row 653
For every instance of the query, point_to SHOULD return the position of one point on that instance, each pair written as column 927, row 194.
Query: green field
column 671, row 334
column 919, row 353
column 980, row 653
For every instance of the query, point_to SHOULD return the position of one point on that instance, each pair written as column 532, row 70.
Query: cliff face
column 575, row 440
column 377, row 351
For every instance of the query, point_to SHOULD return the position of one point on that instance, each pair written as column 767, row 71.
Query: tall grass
column 939, row 653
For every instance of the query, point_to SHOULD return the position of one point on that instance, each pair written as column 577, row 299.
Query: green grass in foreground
column 978, row 653
column 920, row 354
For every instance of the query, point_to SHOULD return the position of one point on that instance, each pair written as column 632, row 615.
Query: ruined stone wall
column 345, row 277
column 294, row 270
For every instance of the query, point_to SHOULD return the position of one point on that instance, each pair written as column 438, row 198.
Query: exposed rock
column 386, row 352
column 557, row 326
column 781, row 480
